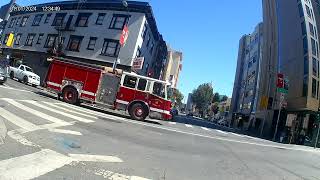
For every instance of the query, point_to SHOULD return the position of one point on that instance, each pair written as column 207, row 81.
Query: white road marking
column 68, row 110
column 36, row 113
column 54, row 125
column 63, row 131
column 32, row 165
column 188, row 125
column 172, row 123
column 116, row 176
column 18, row 121
column 58, row 112
column 7, row 87
column 221, row 132
column 204, row 128
column 95, row 158
column 21, row 139
column 237, row 134
column 92, row 112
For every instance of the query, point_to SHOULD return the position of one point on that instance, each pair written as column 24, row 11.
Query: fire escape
column 63, row 29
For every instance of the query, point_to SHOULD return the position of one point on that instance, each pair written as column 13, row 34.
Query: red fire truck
column 78, row 82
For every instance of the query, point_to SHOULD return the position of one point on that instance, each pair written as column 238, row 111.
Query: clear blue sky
column 207, row 32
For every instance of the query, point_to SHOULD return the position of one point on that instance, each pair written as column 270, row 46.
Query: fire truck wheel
column 138, row 112
column 70, row 95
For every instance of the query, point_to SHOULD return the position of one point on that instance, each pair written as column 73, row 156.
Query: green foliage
column 224, row 98
column 178, row 98
column 216, row 97
column 202, row 96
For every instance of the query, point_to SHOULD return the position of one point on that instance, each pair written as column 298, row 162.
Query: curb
column 3, row 131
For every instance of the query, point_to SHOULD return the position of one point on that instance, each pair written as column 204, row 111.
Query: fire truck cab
column 140, row 96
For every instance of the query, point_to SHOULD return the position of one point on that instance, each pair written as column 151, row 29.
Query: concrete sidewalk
column 3, row 131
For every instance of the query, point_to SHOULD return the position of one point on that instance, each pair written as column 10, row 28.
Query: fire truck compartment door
column 109, row 86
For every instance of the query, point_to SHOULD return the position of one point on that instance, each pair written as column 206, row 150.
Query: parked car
column 174, row 112
column 190, row 114
column 25, row 74
column 3, row 75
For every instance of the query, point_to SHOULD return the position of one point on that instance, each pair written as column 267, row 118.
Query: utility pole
column 278, row 119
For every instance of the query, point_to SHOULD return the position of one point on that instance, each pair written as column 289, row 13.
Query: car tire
column 1, row 83
column 138, row 112
column 70, row 95
column 11, row 75
column 35, row 86
column 25, row 80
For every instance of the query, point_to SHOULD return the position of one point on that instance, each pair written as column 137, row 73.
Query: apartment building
column 172, row 67
column 86, row 31
column 246, row 91
column 292, row 45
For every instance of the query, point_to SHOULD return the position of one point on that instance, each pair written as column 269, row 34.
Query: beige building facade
column 173, row 67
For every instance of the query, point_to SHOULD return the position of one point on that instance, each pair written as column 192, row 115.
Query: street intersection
column 49, row 139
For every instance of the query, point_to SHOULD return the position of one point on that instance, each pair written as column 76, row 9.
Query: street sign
column 280, row 80
column 124, row 35
column 264, row 102
column 282, row 90
column 138, row 63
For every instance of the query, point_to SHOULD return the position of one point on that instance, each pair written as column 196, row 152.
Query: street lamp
column 125, row 3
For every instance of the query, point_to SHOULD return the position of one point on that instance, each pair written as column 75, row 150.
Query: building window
column 305, row 45
column 58, row 20
column 314, row 67
column 151, row 49
column 300, row 10
column 92, row 43
column 249, row 64
column 100, row 18
column 110, row 48
column 29, row 39
column 142, row 84
column 51, row 40
column 313, row 45
column 47, row 18
column 74, row 43
column 12, row 22
column 308, row 11
column 148, row 41
column 118, row 21
column 311, row 29
column 305, row 86
column 5, row 39
column 314, row 88
column 130, row 81
column 37, row 20
column 144, row 31
column 306, row 66
column 18, row 21
column 40, row 38
column 82, row 20
column 24, row 21
column 17, row 39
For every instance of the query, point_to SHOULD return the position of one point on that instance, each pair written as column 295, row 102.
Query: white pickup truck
column 25, row 74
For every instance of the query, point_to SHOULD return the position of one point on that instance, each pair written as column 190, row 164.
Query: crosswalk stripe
column 78, row 108
column 63, row 131
column 95, row 158
column 18, row 121
column 68, row 110
column 188, row 125
column 205, row 128
column 90, row 111
column 221, row 132
column 58, row 112
column 36, row 113
column 32, row 165
column 173, row 123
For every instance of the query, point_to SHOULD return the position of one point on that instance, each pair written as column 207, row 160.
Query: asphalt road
column 48, row 139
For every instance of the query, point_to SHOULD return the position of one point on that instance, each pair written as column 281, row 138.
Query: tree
column 224, row 98
column 178, row 98
column 202, row 96
column 216, row 97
